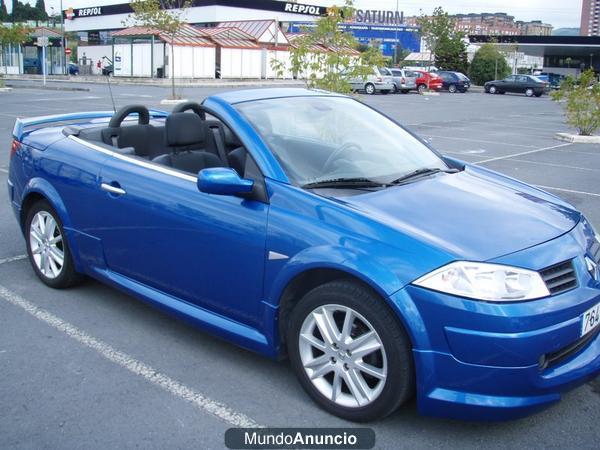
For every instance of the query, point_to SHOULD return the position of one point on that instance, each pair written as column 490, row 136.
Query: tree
column 3, row 12
column 488, row 64
column 164, row 16
column 40, row 8
column 327, row 57
column 582, row 102
column 445, row 43
column 399, row 54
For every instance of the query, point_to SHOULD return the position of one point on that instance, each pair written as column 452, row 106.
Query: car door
column 158, row 229
column 510, row 84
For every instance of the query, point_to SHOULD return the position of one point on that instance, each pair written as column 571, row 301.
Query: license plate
column 590, row 319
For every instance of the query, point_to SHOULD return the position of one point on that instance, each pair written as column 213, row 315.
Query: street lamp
column 62, row 32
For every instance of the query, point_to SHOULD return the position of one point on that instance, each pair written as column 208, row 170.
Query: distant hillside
column 566, row 32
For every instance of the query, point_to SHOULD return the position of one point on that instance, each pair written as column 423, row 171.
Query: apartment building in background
column 590, row 11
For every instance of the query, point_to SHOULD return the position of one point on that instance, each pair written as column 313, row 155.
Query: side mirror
column 223, row 181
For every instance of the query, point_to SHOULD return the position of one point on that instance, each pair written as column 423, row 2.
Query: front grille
column 555, row 358
column 560, row 277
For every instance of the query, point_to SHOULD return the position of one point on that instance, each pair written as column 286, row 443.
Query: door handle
column 112, row 189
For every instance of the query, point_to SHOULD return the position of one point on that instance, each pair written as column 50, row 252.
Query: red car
column 430, row 79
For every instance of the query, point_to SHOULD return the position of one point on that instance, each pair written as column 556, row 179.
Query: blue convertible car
column 307, row 225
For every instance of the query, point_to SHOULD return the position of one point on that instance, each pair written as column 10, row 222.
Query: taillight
column 14, row 147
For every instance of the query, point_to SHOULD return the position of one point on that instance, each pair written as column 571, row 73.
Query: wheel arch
column 40, row 189
column 303, row 281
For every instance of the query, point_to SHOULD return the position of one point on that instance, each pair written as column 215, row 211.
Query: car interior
column 187, row 140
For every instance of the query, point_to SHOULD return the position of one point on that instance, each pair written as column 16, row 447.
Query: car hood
column 470, row 215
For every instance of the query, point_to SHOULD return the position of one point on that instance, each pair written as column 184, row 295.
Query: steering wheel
column 196, row 107
column 343, row 148
column 121, row 115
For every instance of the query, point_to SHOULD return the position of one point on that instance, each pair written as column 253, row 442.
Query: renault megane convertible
column 307, row 225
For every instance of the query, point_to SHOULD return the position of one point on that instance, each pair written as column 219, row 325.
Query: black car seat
column 187, row 135
column 146, row 140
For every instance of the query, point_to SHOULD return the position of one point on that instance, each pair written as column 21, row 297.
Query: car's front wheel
column 492, row 89
column 370, row 88
column 47, row 247
column 529, row 92
column 422, row 88
column 349, row 353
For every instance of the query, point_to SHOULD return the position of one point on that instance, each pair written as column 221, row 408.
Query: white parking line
column 217, row 409
column 12, row 258
column 537, row 150
column 3, row 170
column 477, row 140
column 562, row 166
column 571, row 191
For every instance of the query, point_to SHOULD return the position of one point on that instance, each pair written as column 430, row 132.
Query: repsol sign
column 304, row 9
column 379, row 16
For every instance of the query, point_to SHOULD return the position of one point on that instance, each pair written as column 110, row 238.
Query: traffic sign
column 42, row 41
column 67, row 51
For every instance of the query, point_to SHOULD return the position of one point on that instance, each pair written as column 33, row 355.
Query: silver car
column 404, row 80
column 377, row 82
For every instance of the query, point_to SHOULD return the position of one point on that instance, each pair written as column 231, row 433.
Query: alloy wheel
column 492, row 89
column 46, row 242
column 343, row 355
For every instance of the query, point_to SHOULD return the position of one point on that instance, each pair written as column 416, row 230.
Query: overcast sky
column 560, row 13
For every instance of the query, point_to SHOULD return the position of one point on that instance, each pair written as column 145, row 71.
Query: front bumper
column 489, row 361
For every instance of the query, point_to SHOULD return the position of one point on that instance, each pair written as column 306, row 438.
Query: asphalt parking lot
column 92, row 368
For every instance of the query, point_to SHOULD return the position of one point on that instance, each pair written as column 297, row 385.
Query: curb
column 47, row 88
column 172, row 101
column 577, row 139
column 5, row 89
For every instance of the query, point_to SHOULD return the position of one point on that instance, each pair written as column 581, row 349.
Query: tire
column 405, row 91
column 492, row 89
column 392, row 361
column 370, row 88
column 538, row 94
column 44, row 255
column 501, row 92
column 529, row 92
column 421, row 88
column 452, row 88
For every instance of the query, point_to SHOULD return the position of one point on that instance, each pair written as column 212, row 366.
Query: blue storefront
column 384, row 35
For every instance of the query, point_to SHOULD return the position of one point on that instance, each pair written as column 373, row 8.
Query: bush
column 483, row 67
column 582, row 102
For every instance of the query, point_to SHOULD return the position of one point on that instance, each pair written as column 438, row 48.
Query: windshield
column 331, row 138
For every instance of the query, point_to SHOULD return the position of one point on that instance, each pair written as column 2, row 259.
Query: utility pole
column 62, row 32
column 396, row 38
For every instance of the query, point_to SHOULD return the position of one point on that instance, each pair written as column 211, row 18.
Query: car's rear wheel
column 452, row 88
column 422, row 88
column 492, row 89
column 47, row 247
column 349, row 353
column 529, row 92
column 538, row 94
column 370, row 88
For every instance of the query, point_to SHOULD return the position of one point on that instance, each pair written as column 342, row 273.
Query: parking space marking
column 478, row 140
column 3, row 170
column 537, row 150
column 562, row 166
column 217, row 409
column 12, row 258
column 571, row 191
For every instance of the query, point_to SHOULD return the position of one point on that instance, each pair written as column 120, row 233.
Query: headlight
column 482, row 281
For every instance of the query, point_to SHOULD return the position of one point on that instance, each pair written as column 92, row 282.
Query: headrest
column 184, row 129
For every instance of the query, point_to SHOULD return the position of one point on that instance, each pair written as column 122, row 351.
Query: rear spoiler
column 21, row 125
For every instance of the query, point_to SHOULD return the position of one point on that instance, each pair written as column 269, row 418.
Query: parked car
column 454, row 81
column 73, row 69
column 404, row 80
column 108, row 70
column 306, row 224
column 429, row 80
column 377, row 82
column 522, row 84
